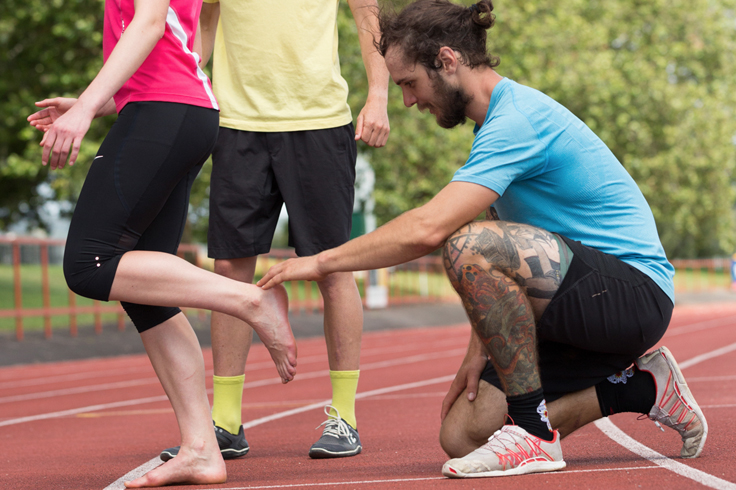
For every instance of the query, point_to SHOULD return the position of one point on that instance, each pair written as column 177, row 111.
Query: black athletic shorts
column 253, row 173
column 604, row 316
column 136, row 196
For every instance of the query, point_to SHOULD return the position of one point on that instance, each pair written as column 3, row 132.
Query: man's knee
column 467, row 241
column 337, row 283
column 238, row 269
column 468, row 425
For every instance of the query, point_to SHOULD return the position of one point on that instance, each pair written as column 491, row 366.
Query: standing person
column 132, row 209
column 286, row 136
column 565, row 283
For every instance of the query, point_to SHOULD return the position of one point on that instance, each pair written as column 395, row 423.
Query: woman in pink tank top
column 129, row 217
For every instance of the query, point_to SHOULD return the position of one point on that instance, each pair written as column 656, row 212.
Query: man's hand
column 372, row 125
column 301, row 269
column 467, row 377
column 54, row 108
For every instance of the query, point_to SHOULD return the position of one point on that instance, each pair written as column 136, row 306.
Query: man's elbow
column 429, row 236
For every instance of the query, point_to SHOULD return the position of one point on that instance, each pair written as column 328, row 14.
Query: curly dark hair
column 425, row 26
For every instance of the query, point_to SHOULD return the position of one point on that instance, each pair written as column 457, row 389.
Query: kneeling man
column 565, row 283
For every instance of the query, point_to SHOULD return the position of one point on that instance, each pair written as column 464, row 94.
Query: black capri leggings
column 136, row 196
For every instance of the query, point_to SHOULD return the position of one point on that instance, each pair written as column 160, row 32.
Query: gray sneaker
column 339, row 439
column 231, row 445
column 675, row 406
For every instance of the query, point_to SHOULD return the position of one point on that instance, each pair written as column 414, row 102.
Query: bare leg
column 177, row 359
column 231, row 337
column 166, row 280
column 468, row 425
column 343, row 321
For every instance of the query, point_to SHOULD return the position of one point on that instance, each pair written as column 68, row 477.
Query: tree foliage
column 653, row 78
column 47, row 48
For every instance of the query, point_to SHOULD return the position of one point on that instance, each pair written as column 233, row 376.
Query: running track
column 91, row 424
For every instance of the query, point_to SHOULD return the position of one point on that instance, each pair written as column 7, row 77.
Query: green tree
column 47, row 48
column 653, row 78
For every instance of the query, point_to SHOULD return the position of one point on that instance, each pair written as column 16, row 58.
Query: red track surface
column 84, row 425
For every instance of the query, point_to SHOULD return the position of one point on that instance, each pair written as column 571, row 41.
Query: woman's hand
column 65, row 133
column 54, row 108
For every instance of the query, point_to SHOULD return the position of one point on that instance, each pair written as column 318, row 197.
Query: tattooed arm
column 413, row 234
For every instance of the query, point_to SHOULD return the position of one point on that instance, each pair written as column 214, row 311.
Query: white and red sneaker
column 509, row 451
column 675, row 406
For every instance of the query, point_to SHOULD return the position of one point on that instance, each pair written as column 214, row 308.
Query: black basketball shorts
column 604, row 316
column 253, row 173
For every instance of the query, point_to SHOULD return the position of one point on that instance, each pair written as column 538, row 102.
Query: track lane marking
column 687, row 328
column 155, row 462
column 429, row 478
column 629, row 443
column 708, row 356
column 247, row 406
column 153, row 380
column 16, row 372
column 73, row 377
column 251, row 384
column 623, row 439
column 699, row 326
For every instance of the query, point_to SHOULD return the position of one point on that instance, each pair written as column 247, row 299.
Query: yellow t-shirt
column 276, row 67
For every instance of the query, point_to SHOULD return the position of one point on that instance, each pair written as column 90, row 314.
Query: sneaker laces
column 499, row 444
column 645, row 416
column 334, row 425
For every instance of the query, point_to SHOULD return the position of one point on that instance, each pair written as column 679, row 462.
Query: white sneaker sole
column 523, row 469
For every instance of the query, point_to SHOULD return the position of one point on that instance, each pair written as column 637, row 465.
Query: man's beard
column 450, row 102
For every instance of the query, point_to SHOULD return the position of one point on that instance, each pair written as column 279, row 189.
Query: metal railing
column 418, row 281
column 702, row 275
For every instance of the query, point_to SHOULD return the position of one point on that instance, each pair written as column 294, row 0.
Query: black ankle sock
column 529, row 411
column 628, row 391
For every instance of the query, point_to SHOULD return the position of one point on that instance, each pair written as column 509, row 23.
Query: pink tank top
column 171, row 72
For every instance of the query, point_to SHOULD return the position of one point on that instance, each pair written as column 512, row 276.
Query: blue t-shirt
column 554, row 173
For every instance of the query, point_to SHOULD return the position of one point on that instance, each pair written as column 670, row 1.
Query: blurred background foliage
column 653, row 78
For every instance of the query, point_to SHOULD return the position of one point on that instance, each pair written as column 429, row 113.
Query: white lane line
column 74, row 411
column 155, row 462
column 707, row 356
column 251, row 384
column 400, row 480
column 698, row 326
column 619, row 436
column 73, row 377
column 705, row 379
column 336, row 483
column 623, row 439
column 251, row 368
column 77, row 390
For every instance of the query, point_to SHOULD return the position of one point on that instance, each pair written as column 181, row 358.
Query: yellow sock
column 344, row 387
column 227, row 402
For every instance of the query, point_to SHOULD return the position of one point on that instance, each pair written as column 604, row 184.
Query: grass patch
column 32, row 297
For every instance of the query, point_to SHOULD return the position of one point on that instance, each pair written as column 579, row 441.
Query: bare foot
column 270, row 319
column 189, row 466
